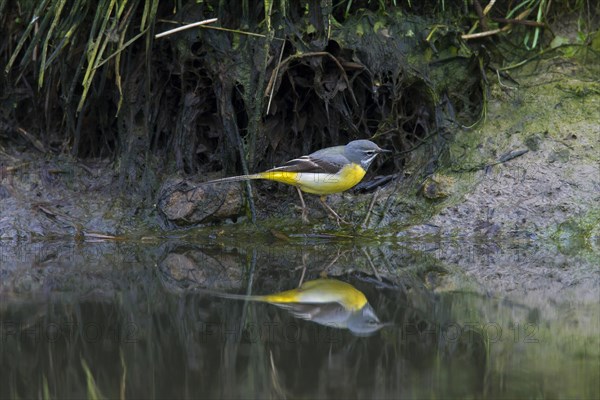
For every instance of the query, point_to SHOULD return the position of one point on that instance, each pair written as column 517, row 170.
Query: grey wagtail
column 326, row 171
column 325, row 301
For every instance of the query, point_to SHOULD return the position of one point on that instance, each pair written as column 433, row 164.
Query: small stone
column 185, row 203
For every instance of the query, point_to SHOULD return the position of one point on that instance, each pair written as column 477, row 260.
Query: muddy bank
column 530, row 171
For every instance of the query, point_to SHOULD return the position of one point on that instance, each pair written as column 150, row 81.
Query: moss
column 533, row 142
column 437, row 186
column 578, row 233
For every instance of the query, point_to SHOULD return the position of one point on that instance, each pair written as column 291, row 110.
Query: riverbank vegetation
column 265, row 81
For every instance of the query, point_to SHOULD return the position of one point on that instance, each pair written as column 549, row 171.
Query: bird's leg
column 304, row 211
column 303, row 268
column 323, row 274
column 330, row 210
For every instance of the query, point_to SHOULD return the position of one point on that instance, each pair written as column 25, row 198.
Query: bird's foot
column 339, row 220
column 304, row 210
column 305, row 217
column 304, row 214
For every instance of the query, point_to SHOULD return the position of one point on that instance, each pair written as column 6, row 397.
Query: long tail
column 234, row 179
column 280, row 298
column 232, row 295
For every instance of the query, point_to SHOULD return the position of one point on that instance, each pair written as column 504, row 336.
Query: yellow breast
column 321, row 291
column 319, row 183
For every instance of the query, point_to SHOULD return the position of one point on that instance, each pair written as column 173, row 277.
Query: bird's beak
column 380, row 150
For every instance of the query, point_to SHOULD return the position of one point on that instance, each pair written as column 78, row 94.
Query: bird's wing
column 325, row 161
column 330, row 314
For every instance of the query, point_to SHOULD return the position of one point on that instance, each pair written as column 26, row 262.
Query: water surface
column 131, row 319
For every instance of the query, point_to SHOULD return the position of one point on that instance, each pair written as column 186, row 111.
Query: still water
column 174, row 318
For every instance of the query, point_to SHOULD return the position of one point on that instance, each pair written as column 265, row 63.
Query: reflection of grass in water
column 549, row 351
column 123, row 376
column 52, row 338
column 93, row 392
column 46, row 389
column 568, row 352
column 253, row 359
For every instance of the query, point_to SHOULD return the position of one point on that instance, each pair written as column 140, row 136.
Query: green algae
column 579, row 233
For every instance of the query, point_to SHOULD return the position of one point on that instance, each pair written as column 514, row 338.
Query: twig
column 487, row 8
column 220, row 28
column 314, row 54
column 99, row 237
column 366, row 221
column 482, row 34
column 11, row 168
column 34, row 141
column 538, row 54
column 501, row 160
column 276, row 73
column 519, row 22
column 121, row 48
column 502, row 84
column 508, row 27
column 304, row 257
column 251, row 271
column 302, row 276
column 184, row 27
column 511, row 155
column 203, row 25
column 480, row 14
column 323, row 273
column 371, row 264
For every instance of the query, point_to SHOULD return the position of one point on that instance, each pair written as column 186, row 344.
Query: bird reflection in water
column 325, row 301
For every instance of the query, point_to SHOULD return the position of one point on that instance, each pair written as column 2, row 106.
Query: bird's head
column 363, row 152
column 364, row 322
